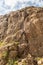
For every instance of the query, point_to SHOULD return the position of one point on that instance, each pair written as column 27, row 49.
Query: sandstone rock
column 25, row 27
column 26, row 61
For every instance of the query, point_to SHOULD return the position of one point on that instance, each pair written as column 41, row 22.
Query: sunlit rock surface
column 21, row 37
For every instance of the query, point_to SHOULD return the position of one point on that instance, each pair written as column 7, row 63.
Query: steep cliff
column 21, row 37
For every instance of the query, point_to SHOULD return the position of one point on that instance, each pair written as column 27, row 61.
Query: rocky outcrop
column 21, row 37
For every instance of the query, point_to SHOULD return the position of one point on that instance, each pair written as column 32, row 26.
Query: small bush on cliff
column 1, row 44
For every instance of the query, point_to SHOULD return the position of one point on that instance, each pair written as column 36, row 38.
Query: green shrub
column 2, row 43
column 15, row 62
column 10, row 62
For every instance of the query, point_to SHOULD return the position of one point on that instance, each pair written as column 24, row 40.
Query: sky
column 12, row 5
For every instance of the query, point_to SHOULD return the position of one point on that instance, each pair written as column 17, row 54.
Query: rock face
column 21, row 34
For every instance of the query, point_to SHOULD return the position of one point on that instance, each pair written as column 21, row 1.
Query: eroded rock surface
column 21, row 34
